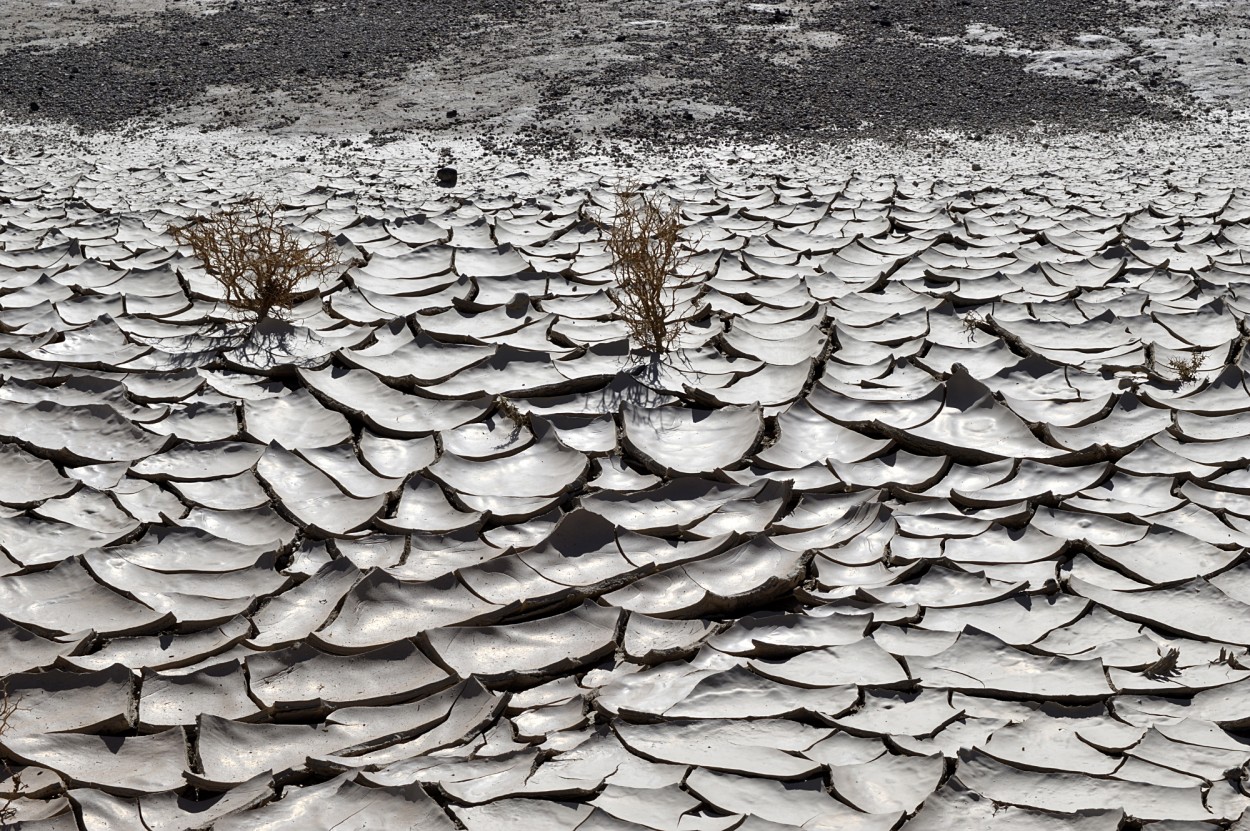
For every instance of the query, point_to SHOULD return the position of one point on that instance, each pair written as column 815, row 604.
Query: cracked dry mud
column 923, row 521
column 937, row 515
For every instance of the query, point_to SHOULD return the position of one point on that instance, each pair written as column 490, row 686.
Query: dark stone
column 447, row 177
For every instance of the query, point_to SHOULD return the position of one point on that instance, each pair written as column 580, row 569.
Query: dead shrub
column 647, row 250
column 264, row 265
column 8, row 809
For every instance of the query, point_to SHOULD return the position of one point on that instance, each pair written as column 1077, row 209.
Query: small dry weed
column 1165, row 667
column 972, row 321
column 647, row 250
column 1230, row 658
column 1186, row 369
column 264, row 265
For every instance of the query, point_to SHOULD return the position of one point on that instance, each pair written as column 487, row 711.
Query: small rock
column 976, row 166
column 452, row 113
column 447, row 177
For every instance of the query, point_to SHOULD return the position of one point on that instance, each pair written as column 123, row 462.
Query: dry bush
column 263, row 264
column 8, row 811
column 647, row 250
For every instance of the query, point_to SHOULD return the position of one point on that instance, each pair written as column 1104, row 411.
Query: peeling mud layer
column 551, row 73
column 937, row 516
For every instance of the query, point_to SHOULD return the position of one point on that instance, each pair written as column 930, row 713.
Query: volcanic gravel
column 174, row 56
column 1034, row 22
column 604, row 69
column 894, row 85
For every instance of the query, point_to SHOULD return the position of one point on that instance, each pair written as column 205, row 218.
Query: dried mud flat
column 936, row 518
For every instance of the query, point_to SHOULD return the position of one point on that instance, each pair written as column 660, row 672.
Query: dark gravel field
column 550, row 73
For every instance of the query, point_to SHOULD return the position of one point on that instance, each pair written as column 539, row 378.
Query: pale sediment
column 935, row 515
